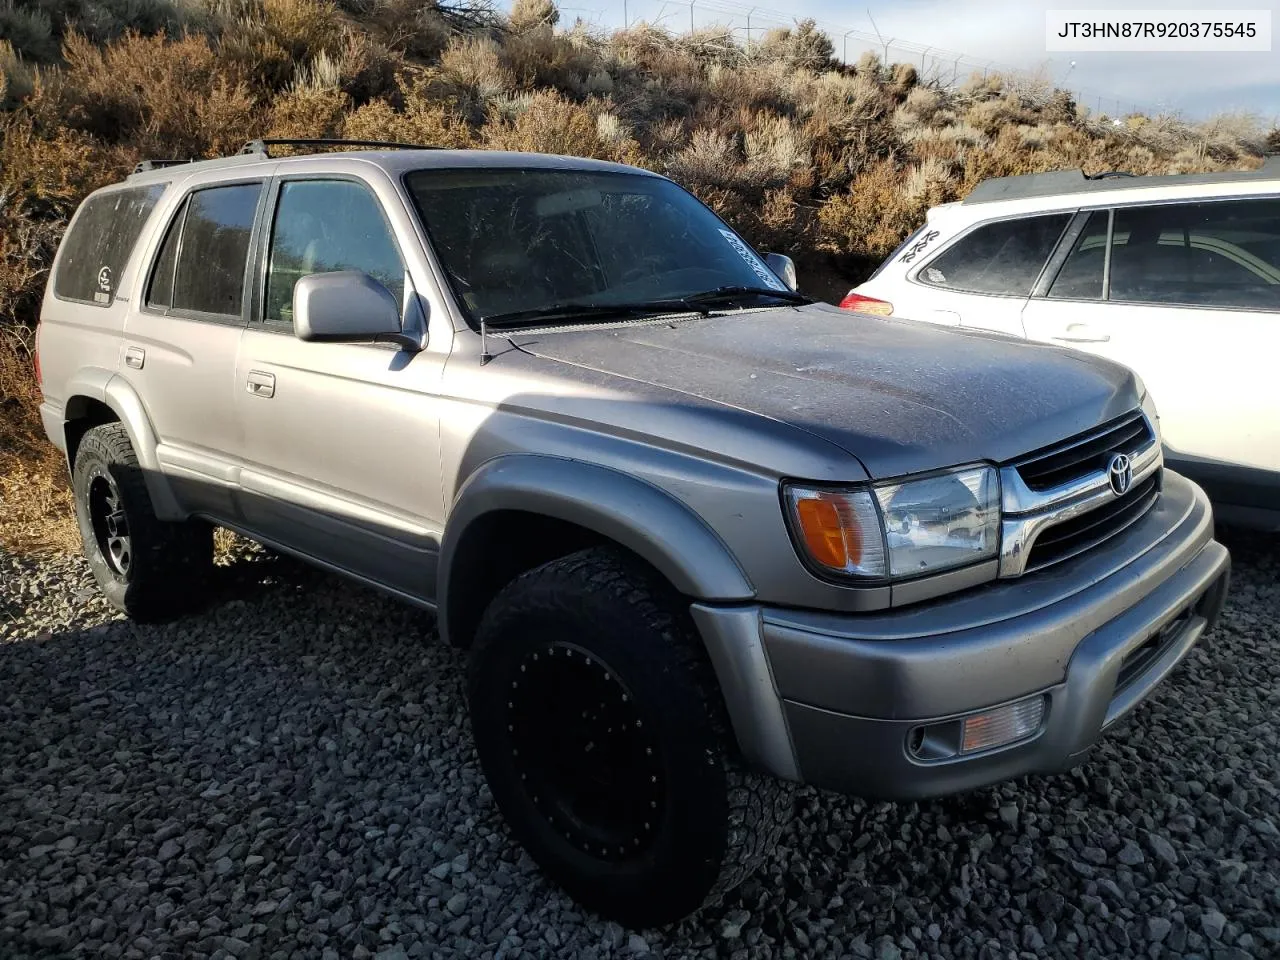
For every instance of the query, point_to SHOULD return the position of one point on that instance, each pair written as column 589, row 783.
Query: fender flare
column 116, row 393
column 624, row 508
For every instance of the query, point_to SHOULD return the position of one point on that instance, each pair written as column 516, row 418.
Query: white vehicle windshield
column 521, row 241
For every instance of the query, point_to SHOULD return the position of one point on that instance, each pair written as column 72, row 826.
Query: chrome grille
column 1062, row 541
column 1058, row 502
column 1083, row 455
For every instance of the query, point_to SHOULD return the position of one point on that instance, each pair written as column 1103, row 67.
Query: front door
column 341, row 441
column 1188, row 297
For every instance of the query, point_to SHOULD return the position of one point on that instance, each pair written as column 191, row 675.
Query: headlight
column 901, row 529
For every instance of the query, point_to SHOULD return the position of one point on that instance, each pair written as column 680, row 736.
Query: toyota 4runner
column 701, row 536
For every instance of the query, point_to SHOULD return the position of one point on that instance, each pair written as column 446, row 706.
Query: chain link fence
column 749, row 23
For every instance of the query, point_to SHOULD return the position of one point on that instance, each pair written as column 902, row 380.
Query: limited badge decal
column 767, row 276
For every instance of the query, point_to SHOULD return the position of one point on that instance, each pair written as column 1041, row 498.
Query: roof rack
column 1066, row 182
column 260, row 146
column 146, row 165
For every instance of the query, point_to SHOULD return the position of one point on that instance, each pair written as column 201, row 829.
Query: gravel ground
column 292, row 774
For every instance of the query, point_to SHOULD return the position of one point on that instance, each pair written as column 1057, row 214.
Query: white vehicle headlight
column 903, row 529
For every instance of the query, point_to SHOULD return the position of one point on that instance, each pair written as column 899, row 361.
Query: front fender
column 627, row 510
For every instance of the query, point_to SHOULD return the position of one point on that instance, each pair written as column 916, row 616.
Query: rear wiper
column 733, row 293
column 593, row 311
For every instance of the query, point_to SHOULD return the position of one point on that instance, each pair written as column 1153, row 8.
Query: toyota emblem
column 1120, row 473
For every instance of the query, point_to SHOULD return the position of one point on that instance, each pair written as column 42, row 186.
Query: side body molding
column 114, row 391
column 628, row 510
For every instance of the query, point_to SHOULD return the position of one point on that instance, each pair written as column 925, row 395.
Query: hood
column 900, row 396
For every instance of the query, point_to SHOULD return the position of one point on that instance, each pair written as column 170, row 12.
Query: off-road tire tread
column 172, row 562
column 760, row 805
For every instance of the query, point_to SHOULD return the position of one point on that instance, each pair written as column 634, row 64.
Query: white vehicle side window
column 1220, row 254
column 1081, row 276
column 1003, row 258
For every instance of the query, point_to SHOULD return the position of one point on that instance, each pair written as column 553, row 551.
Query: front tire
column 147, row 568
column 606, row 744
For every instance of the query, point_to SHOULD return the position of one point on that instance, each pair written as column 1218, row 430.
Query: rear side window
column 1081, row 276
column 1002, row 258
column 97, row 247
column 1216, row 254
column 201, row 265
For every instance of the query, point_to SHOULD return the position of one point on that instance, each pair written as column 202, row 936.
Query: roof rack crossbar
column 260, row 146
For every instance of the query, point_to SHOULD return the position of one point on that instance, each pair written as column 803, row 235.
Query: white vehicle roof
column 1071, row 189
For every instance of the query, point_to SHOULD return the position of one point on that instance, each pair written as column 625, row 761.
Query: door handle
column 1082, row 333
column 261, row 384
column 134, row 357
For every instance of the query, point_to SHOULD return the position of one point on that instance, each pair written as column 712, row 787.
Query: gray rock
column 1162, row 848
column 1212, row 922
column 1157, row 929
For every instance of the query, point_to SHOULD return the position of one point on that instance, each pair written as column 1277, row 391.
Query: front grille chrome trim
column 1028, row 513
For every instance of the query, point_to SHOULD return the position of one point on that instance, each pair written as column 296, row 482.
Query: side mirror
column 347, row 306
column 784, row 267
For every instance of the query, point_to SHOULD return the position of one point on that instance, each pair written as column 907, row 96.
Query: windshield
column 523, row 241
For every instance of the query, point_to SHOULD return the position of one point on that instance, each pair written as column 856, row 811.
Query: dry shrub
column 475, row 64
column 17, row 77
column 551, row 124
column 422, row 120
column 309, row 112
column 710, row 160
column 531, row 14
column 29, row 31
column 541, row 58
column 872, row 217
column 806, row 47
column 35, row 498
column 775, row 149
column 156, row 94
column 303, row 28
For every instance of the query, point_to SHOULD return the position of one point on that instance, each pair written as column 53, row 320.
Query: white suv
column 1178, row 277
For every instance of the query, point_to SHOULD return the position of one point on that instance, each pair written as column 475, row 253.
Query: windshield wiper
column 593, row 311
column 694, row 303
column 720, row 294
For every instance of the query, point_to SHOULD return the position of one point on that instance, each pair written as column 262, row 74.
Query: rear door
column 182, row 334
column 983, row 278
column 341, row 448
column 1188, row 295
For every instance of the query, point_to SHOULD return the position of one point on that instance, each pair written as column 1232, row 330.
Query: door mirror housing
column 347, row 306
column 784, row 267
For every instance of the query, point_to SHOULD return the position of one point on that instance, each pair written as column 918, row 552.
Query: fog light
column 1002, row 725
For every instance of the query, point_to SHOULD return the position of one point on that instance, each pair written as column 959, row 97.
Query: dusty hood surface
column 900, row 396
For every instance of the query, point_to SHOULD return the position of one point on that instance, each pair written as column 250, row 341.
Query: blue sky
column 1012, row 32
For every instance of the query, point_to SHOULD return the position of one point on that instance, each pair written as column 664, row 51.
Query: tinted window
column 1224, row 254
column 160, row 294
column 515, row 240
column 1081, row 276
column 214, row 250
column 95, row 250
column 323, row 226
column 1000, row 258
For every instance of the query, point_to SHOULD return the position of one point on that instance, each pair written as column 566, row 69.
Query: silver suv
column 701, row 536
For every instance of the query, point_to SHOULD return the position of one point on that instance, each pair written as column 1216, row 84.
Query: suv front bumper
column 871, row 705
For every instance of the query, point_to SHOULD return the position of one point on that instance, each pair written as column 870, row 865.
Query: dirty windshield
column 517, row 243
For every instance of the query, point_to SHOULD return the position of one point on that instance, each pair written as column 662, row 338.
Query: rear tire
column 147, row 568
column 606, row 744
